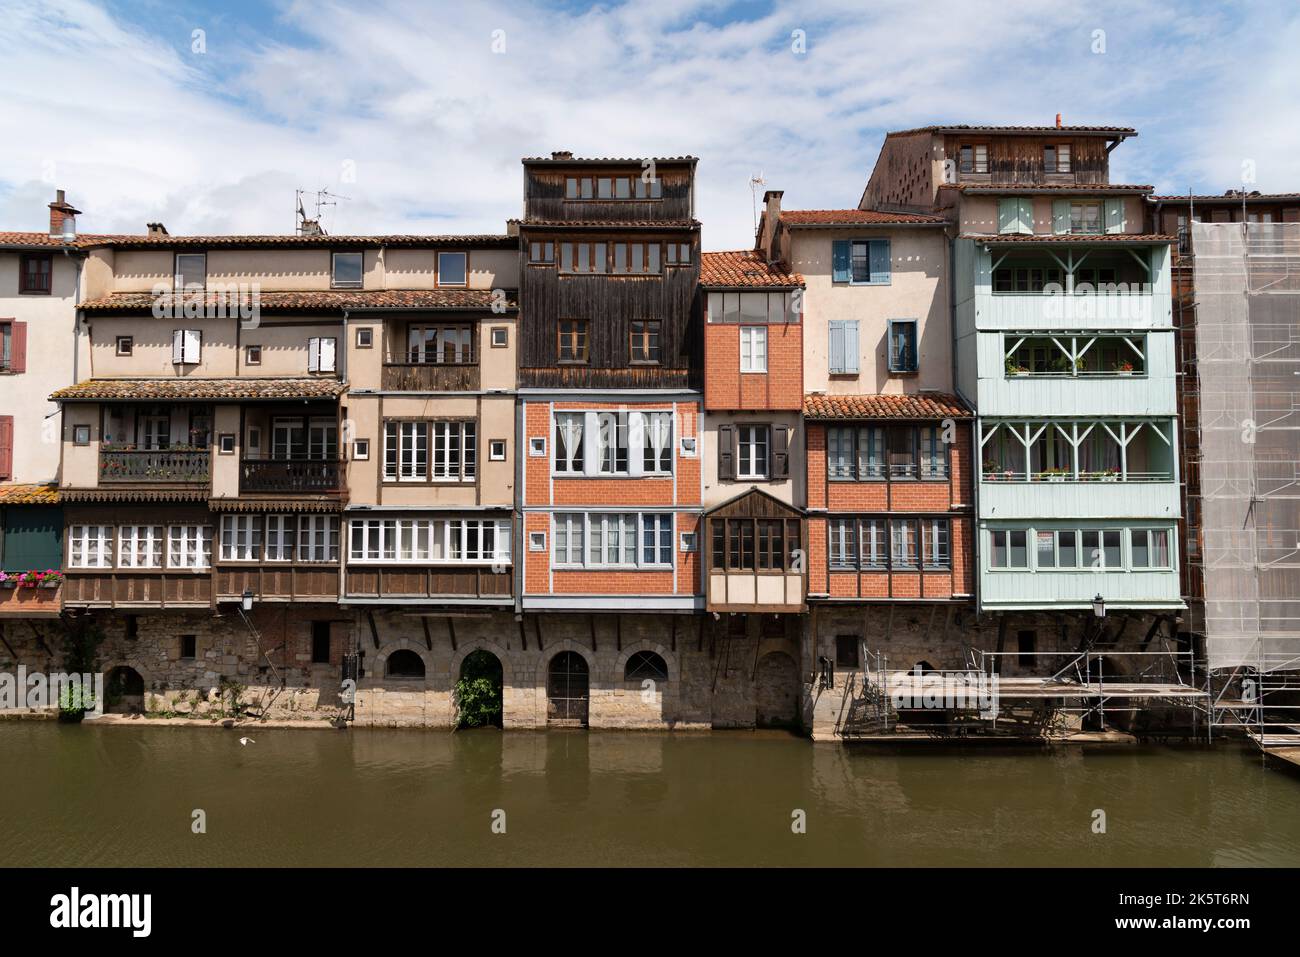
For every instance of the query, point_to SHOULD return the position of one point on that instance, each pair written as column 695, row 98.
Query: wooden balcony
column 430, row 377
column 159, row 466
column 278, row 581
column 430, row 582
column 298, row 475
column 146, row 588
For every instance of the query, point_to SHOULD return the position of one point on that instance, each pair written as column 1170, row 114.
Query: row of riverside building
column 261, row 465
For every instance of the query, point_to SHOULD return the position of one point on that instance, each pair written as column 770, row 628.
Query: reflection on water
column 124, row 796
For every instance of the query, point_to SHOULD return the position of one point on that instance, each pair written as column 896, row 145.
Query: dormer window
column 975, row 158
column 347, row 271
column 1056, row 158
column 611, row 187
column 453, row 269
column 191, row 271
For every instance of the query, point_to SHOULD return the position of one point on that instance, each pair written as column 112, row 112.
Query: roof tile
column 29, row 495
column 192, row 387
column 322, row 300
column 929, row 405
column 743, row 268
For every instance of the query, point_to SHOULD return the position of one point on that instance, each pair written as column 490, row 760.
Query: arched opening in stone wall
column 124, row 691
column 479, row 691
column 404, row 663
column 646, row 665
column 776, row 691
column 568, row 690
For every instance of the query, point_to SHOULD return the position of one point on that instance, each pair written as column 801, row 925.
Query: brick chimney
column 562, row 155
column 156, row 229
column 771, row 219
column 63, row 217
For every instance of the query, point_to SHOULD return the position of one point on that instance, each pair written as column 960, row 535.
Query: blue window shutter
column 1060, row 215
column 1008, row 214
column 840, row 261
column 1115, row 216
column 837, row 345
column 1026, row 216
column 851, row 345
column 880, row 261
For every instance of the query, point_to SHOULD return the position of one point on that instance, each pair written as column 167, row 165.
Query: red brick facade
column 726, row 388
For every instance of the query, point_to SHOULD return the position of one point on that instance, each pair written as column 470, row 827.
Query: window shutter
column 6, row 446
column 1008, row 215
column 879, row 253
column 18, row 347
column 780, row 452
column 726, row 452
column 1026, row 216
column 178, row 346
column 327, row 355
column 1060, row 215
column 313, row 355
column 193, row 345
column 1115, row 216
column 836, row 345
column 851, row 345
column 840, row 261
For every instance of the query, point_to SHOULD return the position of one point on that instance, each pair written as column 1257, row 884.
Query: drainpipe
column 976, row 451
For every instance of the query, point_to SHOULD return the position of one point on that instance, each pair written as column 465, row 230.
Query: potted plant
column 1056, row 474
column 1124, row 367
column 51, row 578
column 8, row 580
column 990, row 472
column 1015, row 369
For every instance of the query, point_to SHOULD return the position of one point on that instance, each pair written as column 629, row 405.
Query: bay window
column 90, row 546
column 422, row 541
column 612, row 540
column 189, row 546
column 140, row 546
column 408, row 444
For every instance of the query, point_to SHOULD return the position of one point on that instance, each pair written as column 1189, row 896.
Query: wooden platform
column 913, row 685
column 1285, row 746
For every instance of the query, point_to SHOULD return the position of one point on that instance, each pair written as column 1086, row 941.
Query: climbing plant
column 478, row 691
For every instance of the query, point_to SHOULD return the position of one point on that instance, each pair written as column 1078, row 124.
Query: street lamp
column 1099, row 606
column 247, row 602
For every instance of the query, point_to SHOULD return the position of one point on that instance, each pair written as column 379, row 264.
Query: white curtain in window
column 570, row 427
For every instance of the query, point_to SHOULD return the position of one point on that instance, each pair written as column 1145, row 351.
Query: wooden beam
column 618, row 632
column 451, row 630
column 537, row 627
column 591, row 621
column 1151, row 632
column 523, row 635
column 428, row 636
column 1002, row 640
column 675, row 617
column 374, row 631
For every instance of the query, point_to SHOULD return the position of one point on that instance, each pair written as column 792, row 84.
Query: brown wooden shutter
column 726, row 452
column 780, row 452
column 18, row 348
column 6, row 446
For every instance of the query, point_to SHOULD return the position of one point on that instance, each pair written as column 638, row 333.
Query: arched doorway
column 776, row 691
column 568, row 689
column 124, row 691
column 479, row 691
column 404, row 663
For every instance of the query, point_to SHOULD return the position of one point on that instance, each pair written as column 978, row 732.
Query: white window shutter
column 327, row 355
column 851, row 345
column 313, row 355
column 637, row 440
column 591, row 443
column 178, row 346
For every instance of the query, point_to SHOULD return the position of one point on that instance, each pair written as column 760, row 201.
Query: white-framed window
column 361, row 449
column 613, row 540
column 280, row 533
column 688, row 542
column 241, row 538
column 318, row 538
column 1149, row 548
column 500, row 337
column 406, row 452
column 753, row 348
column 537, row 446
column 347, row 270
column 187, row 346
column 657, row 443
column 320, row 353
column 452, row 269
column 189, row 546
column 753, row 444
column 497, row 450
column 537, row 541
column 1008, row 548
column 90, row 546
column 191, row 272
column 140, row 546
column 428, row 541
column 688, row 446
column 455, row 452
column 656, row 539
column 612, row 442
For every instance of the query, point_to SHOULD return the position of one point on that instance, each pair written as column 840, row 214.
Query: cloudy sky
column 418, row 112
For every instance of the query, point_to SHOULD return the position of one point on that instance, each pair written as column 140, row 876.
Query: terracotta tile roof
column 322, row 300
column 1075, row 238
column 29, row 494
column 1016, row 130
column 273, row 240
column 856, row 217
column 1233, row 199
column 928, row 405
column 742, row 268
column 192, row 387
column 607, row 223
column 1046, row 187
column 560, row 158
column 45, row 241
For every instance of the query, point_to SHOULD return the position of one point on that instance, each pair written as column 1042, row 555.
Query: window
column 140, row 546
column 297, row 438
column 1008, row 548
column 612, row 187
column 453, row 269
column 1056, row 158
column 687, row 542
column 573, row 340
column 843, row 542
column 624, row 539
column 347, row 270
column 900, row 451
column 584, row 257
column 35, row 271
column 749, row 544
column 860, row 261
column 407, row 448
column 447, row 345
column 254, row 440
column 500, row 337
column 1026, row 278
column 365, row 338
column 81, row 435
column 541, row 252
column 537, row 446
column 318, row 538
column 1085, row 217
column 9, row 354
column 125, row 345
column 361, row 449
column 846, row 651
column 975, row 158
column 873, row 452
column 645, row 341
column 189, row 546
column 226, row 443
column 569, row 436
column 936, row 552
column 843, row 352
column 497, row 450
column 635, row 259
column 657, row 442
column 404, row 663
column 537, row 541
column 187, row 346
column 678, row 254
column 753, row 348
column 280, row 533
column 934, row 453
column 189, row 646
column 645, row 666
column 752, row 460
column 656, row 539
column 320, row 354
column 902, row 345
column 754, row 308
column 902, row 541
column 688, row 446
column 191, row 271
column 1149, row 547
column 420, row 541
column 612, row 443
column 320, row 642
column 252, row 355
column 241, row 538
column 90, row 546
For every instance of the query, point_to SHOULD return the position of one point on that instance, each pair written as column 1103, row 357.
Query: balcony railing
column 430, row 376
column 316, row 476
column 164, row 466
column 1104, row 475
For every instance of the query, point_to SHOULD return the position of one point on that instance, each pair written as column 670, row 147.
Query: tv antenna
column 755, row 182
column 311, row 226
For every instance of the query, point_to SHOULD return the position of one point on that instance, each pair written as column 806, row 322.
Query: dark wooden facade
column 608, row 302
column 1019, row 159
column 428, row 582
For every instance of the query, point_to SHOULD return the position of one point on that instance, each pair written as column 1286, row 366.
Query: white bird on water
column 246, row 741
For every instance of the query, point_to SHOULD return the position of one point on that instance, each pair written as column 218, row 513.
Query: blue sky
column 418, row 112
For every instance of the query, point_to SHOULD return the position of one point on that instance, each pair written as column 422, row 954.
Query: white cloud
column 137, row 128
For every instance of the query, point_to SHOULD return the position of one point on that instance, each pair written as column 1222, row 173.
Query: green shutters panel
column 1115, row 216
column 1060, row 215
column 33, row 537
column 840, row 261
column 1008, row 215
column 1026, row 216
column 879, row 260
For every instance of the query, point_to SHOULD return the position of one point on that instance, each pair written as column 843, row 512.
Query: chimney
column 1058, row 121
column 771, row 218
column 562, row 155
column 156, row 229
column 63, row 218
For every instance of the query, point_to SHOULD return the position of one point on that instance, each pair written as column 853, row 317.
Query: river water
column 81, row 795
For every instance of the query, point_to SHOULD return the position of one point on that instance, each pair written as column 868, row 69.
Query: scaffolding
column 1244, row 472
